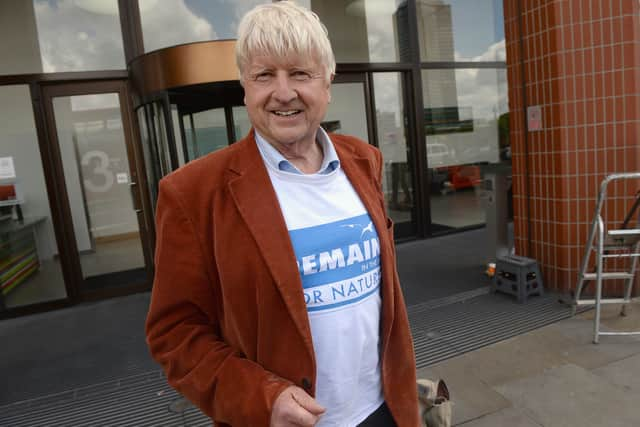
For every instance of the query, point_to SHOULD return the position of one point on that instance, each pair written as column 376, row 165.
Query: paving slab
column 610, row 316
column 574, row 339
column 623, row 373
column 612, row 320
column 571, row 396
column 510, row 417
column 514, row 358
column 471, row 397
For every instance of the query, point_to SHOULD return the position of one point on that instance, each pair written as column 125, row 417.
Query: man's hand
column 294, row 407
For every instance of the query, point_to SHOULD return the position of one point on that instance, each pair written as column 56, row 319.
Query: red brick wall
column 579, row 60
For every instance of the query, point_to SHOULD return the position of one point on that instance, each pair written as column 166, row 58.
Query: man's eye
column 301, row 75
column 262, row 77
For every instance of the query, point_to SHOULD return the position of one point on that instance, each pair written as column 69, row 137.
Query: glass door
column 96, row 159
column 205, row 132
column 393, row 138
column 371, row 106
column 347, row 113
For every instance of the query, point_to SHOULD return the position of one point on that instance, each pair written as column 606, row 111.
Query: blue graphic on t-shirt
column 339, row 262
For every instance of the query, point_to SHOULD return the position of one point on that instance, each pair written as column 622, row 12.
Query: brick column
column 579, row 61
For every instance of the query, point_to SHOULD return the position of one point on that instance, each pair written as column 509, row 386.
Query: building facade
column 90, row 120
column 578, row 63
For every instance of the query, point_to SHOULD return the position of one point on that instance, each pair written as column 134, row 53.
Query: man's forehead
column 285, row 62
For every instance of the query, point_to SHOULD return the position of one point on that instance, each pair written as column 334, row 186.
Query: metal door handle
column 133, row 199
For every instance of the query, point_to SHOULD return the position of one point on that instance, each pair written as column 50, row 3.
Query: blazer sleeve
column 183, row 331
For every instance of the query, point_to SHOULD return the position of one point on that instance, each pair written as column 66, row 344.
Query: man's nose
column 284, row 90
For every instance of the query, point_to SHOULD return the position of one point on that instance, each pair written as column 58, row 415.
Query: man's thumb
column 308, row 403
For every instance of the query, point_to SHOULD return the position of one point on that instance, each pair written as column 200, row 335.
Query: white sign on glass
column 7, row 170
column 122, row 178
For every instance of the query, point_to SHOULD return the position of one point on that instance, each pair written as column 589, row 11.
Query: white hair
column 283, row 29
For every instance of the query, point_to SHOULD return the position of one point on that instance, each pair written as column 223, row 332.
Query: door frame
column 138, row 185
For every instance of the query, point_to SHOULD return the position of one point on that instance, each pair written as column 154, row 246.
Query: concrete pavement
column 551, row 377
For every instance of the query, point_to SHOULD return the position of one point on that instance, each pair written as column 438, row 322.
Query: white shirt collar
column 270, row 155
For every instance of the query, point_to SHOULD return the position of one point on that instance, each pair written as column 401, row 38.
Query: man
column 276, row 300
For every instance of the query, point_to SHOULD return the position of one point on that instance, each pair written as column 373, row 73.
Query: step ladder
column 605, row 242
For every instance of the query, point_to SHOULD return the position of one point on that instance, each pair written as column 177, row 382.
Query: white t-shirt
column 338, row 254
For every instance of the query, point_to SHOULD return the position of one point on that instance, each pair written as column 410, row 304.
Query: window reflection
column 30, row 270
column 390, row 120
column 173, row 22
column 461, row 30
column 462, row 107
column 241, row 122
column 205, row 132
column 364, row 30
column 464, row 110
column 60, row 35
column 148, row 152
column 346, row 113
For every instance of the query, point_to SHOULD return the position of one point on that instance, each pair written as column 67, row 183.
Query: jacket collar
column 256, row 200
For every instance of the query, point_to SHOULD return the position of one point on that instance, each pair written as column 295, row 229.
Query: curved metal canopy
column 184, row 65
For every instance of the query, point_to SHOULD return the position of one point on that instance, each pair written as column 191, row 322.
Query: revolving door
column 182, row 124
column 189, row 103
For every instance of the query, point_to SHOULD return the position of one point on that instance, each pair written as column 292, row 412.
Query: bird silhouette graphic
column 368, row 228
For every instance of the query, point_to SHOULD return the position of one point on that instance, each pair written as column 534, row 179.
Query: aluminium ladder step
column 609, row 275
column 603, row 301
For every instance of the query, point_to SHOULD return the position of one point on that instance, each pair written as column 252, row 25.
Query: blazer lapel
column 258, row 205
column 361, row 174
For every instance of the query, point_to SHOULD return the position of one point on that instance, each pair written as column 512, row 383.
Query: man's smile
column 286, row 113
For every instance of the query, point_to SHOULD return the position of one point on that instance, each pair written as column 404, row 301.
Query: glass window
column 241, row 122
column 346, row 113
column 205, row 132
column 461, row 30
column 152, row 167
column 161, row 145
column 464, row 110
column 365, row 30
column 56, row 35
column 390, row 118
column 177, row 135
column 30, row 270
column 172, row 22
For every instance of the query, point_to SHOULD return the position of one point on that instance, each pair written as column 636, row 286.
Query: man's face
column 286, row 98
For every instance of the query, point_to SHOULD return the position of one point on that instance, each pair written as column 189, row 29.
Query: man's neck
column 306, row 156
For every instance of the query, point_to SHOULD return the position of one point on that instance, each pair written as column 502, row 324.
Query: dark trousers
column 381, row 417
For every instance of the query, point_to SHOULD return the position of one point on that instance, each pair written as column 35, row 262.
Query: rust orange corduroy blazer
column 228, row 321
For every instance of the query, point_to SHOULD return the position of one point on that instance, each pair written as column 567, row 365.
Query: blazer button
column 306, row 384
